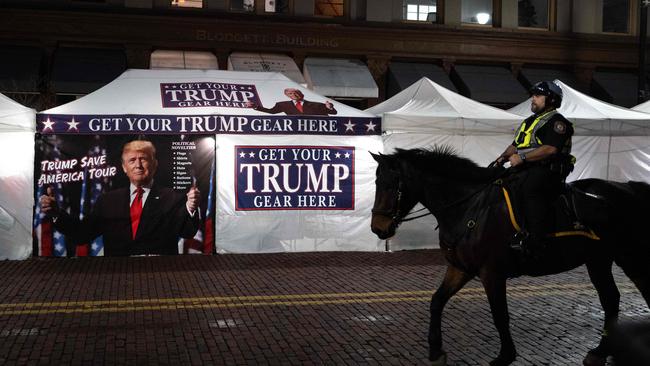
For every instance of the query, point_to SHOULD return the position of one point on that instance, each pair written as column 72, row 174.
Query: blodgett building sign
column 266, row 39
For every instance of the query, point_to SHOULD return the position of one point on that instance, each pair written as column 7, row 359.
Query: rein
column 397, row 219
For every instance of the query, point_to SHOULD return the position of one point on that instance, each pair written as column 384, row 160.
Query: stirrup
column 517, row 241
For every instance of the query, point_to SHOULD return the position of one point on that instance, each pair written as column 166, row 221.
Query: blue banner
column 294, row 178
column 207, row 94
column 211, row 124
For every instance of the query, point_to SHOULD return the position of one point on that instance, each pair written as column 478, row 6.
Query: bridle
column 395, row 214
column 395, row 211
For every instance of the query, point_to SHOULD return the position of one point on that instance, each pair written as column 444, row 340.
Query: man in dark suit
column 297, row 105
column 143, row 218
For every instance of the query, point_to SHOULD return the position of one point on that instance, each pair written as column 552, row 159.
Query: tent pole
column 643, row 35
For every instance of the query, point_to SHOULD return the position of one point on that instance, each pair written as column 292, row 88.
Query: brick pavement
column 281, row 309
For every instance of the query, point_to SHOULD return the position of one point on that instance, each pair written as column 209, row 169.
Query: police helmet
column 551, row 90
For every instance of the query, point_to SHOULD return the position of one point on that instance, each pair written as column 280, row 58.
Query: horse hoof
column 440, row 361
column 594, row 360
column 503, row 361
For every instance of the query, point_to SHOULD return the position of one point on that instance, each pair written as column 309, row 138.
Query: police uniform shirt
column 555, row 132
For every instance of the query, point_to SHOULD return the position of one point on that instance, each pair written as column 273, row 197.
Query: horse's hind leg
column 454, row 280
column 636, row 268
column 495, row 289
column 600, row 273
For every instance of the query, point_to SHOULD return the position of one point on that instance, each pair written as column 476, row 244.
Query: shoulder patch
column 559, row 127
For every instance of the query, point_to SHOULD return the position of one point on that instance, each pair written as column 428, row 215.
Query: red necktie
column 136, row 211
column 299, row 106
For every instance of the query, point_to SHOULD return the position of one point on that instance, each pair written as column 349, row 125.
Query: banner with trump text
column 279, row 194
column 289, row 169
column 89, row 180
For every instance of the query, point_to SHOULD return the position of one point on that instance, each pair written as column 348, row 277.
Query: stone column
column 47, row 98
column 378, row 66
column 222, row 58
column 452, row 12
column 584, row 75
column 303, row 8
column 509, row 14
column 587, row 16
column 138, row 56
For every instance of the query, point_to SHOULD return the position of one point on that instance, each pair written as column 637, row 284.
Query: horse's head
column 392, row 200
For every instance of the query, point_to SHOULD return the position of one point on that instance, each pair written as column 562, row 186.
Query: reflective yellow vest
column 526, row 138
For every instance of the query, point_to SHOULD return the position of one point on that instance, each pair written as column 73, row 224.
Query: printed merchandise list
column 182, row 164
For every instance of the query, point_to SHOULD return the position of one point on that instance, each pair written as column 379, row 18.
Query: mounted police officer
column 541, row 147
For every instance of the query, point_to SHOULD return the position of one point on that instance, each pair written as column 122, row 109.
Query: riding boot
column 534, row 246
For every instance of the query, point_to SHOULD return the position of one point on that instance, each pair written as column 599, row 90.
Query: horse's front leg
column 454, row 280
column 601, row 276
column 495, row 289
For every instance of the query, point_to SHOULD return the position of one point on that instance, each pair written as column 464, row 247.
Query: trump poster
column 292, row 169
column 78, row 170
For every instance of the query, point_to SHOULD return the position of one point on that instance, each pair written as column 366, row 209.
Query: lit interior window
column 419, row 12
column 188, row 3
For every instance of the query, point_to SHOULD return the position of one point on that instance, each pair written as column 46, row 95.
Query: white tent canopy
column 610, row 142
column 643, row 107
column 593, row 117
column 426, row 107
column 16, row 179
column 139, row 93
column 426, row 114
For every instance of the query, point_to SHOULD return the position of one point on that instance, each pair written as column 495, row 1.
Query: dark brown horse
column 475, row 232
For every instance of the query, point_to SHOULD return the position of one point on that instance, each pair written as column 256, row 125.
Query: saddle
column 574, row 211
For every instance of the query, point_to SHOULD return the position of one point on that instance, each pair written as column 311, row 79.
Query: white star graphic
column 242, row 154
column 251, row 154
column 349, row 126
column 337, row 155
column 371, row 126
column 49, row 125
column 347, row 155
column 73, row 125
column 57, row 235
column 94, row 246
column 58, row 247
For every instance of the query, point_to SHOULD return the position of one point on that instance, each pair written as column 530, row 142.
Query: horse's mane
column 444, row 160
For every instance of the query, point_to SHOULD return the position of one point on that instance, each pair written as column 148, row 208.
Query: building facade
column 356, row 51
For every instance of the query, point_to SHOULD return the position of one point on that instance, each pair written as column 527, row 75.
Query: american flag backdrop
column 208, row 237
column 88, row 200
column 50, row 241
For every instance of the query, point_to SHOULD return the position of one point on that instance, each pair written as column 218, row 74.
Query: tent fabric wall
column 428, row 108
column 427, row 114
column 610, row 143
column 297, row 230
column 138, row 93
column 16, row 179
column 592, row 117
column 482, row 149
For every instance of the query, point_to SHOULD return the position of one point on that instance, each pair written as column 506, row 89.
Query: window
column 616, row 15
column 533, row 13
column 187, row 3
column 329, row 8
column 420, row 10
column 476, row 12
column 276, row 6
column 179, row 59
column 242, row 5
